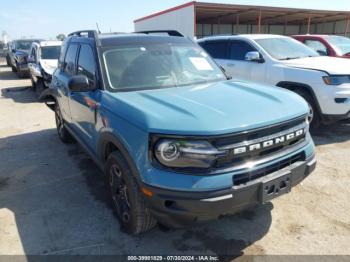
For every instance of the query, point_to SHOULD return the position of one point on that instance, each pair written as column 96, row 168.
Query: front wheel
column 8, row 61
column 127, row 198
column 62, row 131
column 314, row 115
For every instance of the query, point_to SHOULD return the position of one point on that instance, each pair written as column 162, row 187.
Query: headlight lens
column 336, row 80
column 185, row 154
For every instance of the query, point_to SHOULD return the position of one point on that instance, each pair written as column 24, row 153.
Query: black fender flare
column 295, row 85
column 49, row 97
column 107, row 137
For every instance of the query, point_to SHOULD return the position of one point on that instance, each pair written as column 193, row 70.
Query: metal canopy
column 227, row 14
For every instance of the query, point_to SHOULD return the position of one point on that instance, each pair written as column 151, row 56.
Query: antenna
column 98, row 29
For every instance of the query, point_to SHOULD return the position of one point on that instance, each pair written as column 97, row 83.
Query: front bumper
column 178, row 209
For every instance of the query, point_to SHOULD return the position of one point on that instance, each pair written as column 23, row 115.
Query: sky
column 46, row 19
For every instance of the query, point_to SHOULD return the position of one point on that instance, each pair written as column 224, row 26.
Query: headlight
column 183, row 153
column 336, row 80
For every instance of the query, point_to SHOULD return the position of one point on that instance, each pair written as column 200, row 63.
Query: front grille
column 258, row 138
column 249, row 176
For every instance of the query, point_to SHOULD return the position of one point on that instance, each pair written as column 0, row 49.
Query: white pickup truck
column 324, row 82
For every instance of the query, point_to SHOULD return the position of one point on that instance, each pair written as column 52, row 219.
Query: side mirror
column 254, row 56
column 79, row 83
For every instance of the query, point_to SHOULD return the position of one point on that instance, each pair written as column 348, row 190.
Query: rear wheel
column 127, row 198
column 62, row 131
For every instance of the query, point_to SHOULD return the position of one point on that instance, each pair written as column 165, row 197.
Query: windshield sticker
column 201, row 64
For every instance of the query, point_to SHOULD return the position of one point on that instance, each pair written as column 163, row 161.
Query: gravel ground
column 52, row 198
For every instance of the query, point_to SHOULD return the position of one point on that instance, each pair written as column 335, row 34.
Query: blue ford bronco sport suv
column 178, row 142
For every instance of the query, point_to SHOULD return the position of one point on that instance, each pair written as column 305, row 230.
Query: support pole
column 347, row 26
column 308, row 25
column 285, row 25
column 237, row 24
column 259, row 22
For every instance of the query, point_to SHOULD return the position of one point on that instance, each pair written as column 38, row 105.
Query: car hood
column 330, row 65
column 49, row 65
column 210, row 109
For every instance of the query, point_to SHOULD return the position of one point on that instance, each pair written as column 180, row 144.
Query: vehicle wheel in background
column 62, row 131
column 13, row 68
column 127, row 198
column 315, row 119
column 39, row 87
column 8, row 61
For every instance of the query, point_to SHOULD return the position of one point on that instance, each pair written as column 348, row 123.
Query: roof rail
column 90, row 34
column 169, row 32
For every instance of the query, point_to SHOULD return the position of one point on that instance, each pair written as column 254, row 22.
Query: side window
column 238, row 50
column 317, row 46
column 217, row 49
column 62, row 54
column 87, row 64
column 69, row 62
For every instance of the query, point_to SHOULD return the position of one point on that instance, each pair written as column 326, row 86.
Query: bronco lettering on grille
column 268, row 143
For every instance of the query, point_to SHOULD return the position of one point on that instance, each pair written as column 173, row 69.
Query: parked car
column 18, row 56
column 7, row 53
column 285, row 62
column 178, row 143
column 327, row 45
column 42, row 61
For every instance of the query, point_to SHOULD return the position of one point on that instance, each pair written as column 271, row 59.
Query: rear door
column 84, row 105
column 66, row 69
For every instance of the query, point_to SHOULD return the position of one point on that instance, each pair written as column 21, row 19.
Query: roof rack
column 89, row 33
column 169, row 32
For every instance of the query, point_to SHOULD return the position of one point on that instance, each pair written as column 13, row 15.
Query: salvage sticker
column 201, row 63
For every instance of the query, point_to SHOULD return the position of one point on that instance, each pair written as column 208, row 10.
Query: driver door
column 239, row 68
column 85, row 105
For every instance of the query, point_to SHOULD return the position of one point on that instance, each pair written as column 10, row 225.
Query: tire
column 39, row 87
column 127, row 199
column 315, row 114
column 13, row 68
column 62, row 131
column 33, row 83
column 8, row 61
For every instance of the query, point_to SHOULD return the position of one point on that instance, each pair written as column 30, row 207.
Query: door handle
column 230, row 65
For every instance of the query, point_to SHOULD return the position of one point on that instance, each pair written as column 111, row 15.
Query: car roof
column 242, row 36
column 27, row 40
column 50, row 43
column 316, row 35
column 113, row 39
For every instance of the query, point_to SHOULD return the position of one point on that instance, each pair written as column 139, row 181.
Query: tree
column 61, row 37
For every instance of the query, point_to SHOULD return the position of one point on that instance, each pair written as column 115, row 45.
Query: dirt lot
column 52, row 198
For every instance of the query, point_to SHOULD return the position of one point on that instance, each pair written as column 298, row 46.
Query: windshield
column 285, row 48
column 23, row 45
column 159, row 66
column 50, row 52
column 340, row 43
